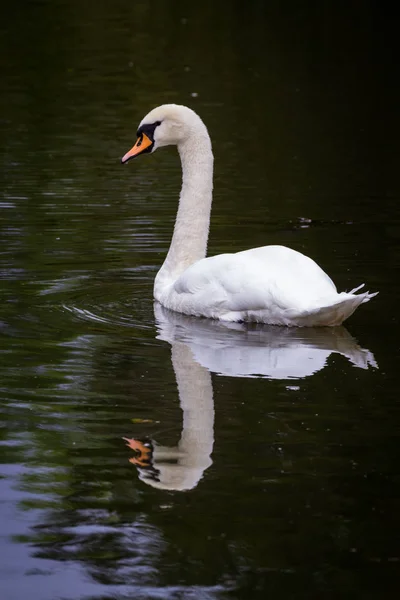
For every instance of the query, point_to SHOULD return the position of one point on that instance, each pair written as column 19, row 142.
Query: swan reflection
column 259, row 350
column 181, row 467
column 201, row 346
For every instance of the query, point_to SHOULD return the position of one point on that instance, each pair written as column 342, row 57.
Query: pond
column 145, row 454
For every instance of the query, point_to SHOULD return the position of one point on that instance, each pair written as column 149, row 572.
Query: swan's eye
column 157, row 123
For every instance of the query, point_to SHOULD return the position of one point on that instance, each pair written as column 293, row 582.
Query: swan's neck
column 189, row 240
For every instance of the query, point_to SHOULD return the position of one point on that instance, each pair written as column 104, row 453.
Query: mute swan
column 271, row 284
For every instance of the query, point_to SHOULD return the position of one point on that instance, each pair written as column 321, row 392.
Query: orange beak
column 141, row 145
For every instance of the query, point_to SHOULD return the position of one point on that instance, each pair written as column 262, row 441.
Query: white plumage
column 271, row 284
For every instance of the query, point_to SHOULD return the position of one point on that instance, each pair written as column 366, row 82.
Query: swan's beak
column 142, row 144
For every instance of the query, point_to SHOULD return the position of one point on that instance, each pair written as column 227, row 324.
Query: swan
column 271, row 284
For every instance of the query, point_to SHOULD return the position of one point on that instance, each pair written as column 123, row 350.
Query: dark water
column 274, row 452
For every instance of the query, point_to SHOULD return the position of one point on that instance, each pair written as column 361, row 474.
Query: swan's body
column 271, row 284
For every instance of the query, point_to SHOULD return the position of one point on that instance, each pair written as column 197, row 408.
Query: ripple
column 137, row 315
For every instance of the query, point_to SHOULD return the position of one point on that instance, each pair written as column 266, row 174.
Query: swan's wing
column 255, row 279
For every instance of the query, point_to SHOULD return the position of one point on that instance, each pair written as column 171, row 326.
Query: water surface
column 269, row 457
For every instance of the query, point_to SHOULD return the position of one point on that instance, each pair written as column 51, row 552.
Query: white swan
column 272, row 284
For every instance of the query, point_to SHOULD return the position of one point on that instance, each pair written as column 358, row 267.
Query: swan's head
column 166, row 125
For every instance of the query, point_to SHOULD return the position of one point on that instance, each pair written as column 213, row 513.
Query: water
column 269, row 460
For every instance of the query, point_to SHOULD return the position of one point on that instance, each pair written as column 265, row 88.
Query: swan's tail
column 335, row 313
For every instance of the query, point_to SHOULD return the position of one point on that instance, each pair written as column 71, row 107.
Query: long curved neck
column 189, row 240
